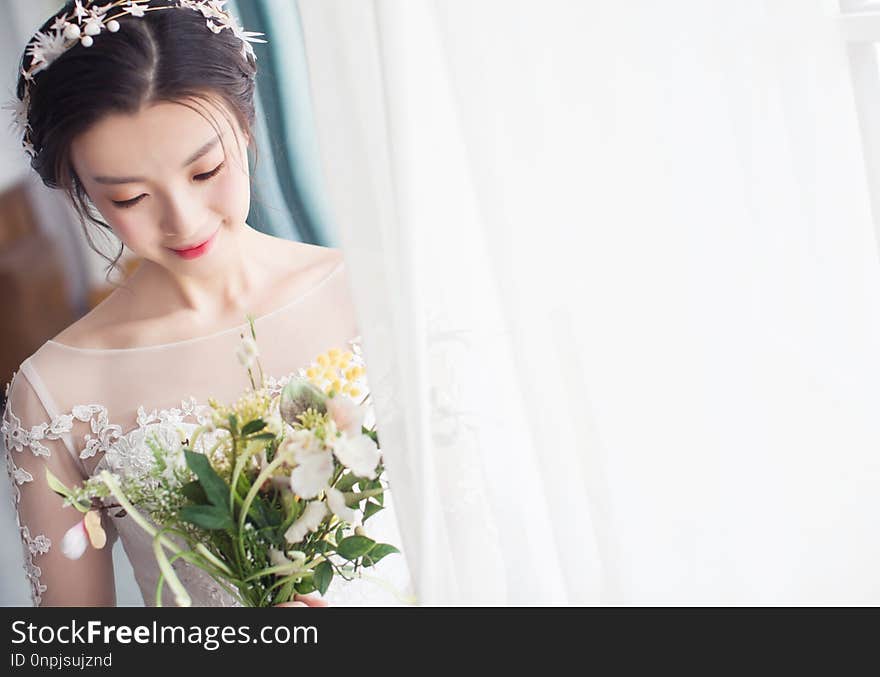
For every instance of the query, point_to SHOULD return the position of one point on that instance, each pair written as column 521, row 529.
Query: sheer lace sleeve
column 35, row 440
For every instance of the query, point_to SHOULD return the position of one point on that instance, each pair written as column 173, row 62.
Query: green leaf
column 371, row 509
column 340, row 533
column 215, row 488
column 378, row 552
column 353, row 499
column 285, row 592
column 206, row 516
column 263, row 514
column 263, row 436
column 346, row 482
column 194, row 492
column 323, row 576
column 375, row 484
column 305, row 586
column 253, row 426
column 371, row 433
column 233, row 423
column 354, row 546
column 56, row 485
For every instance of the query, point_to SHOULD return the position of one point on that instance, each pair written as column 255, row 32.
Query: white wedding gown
column 78, row 410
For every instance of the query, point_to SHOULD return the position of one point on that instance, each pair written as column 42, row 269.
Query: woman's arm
column 42, row 519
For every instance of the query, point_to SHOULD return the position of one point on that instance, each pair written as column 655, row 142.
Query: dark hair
column 165, row 55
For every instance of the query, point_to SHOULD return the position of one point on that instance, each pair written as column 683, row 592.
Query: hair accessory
column 87, row 20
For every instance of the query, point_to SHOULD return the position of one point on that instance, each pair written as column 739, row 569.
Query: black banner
column 366, row 640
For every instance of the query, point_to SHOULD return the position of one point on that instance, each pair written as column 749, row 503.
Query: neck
column 238, row 268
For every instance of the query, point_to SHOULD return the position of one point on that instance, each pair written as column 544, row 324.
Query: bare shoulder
column 314, row 262
column 87, row 330
column 311, row 265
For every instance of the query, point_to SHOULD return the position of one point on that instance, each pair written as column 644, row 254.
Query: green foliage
column 323, row 576
column 376, row 553
column 305, row 586
column 254, row 426
column 216, row 490
column 207, row 516
column 372, row 434
column 354, row 546
column 371, row 509
column 194, row 492
column 346, row 482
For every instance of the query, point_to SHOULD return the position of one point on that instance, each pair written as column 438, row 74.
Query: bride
column 144, row 119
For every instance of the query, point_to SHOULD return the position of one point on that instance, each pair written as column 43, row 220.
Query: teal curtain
column 287, row 200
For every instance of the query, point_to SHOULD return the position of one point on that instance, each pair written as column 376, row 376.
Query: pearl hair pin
column 88, row 20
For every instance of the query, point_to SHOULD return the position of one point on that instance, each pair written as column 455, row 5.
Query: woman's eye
column 125, row 204
column 211, row 174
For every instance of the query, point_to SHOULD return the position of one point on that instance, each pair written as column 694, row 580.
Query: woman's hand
column 306, row 600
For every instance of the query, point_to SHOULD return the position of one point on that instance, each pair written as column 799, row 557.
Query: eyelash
column 126, row 204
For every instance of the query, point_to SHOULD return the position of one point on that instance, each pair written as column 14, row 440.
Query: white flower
column 348, row 416
column 360, row 454
column 336, row 501
column 60, row 23
column 247, row 352
column 135, row 9
column 75, row 541
column 312, row 473
column 299, row 442
column 310, row 520
column 77, row 538
column 44, row 49
column 274, row 424
column 79, row 10
column 292, row 562
column 18, row 108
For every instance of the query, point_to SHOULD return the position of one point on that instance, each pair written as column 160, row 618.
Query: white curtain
column 618, row 284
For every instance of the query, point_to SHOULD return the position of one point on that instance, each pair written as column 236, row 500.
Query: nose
column 182, row 216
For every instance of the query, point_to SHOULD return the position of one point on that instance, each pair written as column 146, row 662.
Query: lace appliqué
column 16, row 438
column 120, row 451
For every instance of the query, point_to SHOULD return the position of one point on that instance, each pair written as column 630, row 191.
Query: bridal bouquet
column 268, row 496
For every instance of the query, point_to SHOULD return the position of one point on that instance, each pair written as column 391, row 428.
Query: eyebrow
column 112, row 180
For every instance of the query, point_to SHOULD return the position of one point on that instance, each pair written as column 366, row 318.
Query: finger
column 292, row 604
column 313, row 600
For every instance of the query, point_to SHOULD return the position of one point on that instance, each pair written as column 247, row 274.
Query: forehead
column 158, row 138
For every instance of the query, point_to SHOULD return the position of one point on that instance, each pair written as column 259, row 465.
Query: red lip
column 198, row 250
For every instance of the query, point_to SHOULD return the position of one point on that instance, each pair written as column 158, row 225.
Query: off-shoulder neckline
column 196, row 339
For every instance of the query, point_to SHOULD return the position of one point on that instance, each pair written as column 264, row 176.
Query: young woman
column 144, row 120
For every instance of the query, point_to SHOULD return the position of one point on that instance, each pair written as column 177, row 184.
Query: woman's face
column 161, row 180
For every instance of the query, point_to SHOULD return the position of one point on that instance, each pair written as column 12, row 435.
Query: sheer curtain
column 619, row 293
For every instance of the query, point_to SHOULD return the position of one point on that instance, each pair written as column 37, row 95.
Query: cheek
column 231, row 194
column 130, row 228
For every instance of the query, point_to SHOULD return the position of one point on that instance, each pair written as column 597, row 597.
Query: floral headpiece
column 87, row 20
